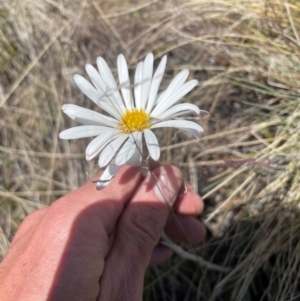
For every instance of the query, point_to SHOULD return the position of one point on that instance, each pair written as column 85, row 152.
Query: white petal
column 97, row 97
column 176, row 83
column 138, row 84
column 106, row 99
column 111, row 149
column 192, row 127
column 88, row 117
column 166, row 103
column 152, row 144
column 124, row 81
column 95, row 78
column 193, row 132
column 125, row 153
column 133, row 143
column 158, row 75
column 179, row 110
column 204, row 114
column 136, row 158
column 82, row 132
column 111, row 84
column 105, row 72
column 107, row 105
column 97, row 144
column 108, row 174
column 87, row 88
column 159, row 96
column 147, row 78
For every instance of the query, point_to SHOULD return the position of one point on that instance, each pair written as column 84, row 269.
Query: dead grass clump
column 245, row 56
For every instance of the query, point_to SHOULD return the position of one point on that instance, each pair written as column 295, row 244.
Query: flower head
column 132, row 115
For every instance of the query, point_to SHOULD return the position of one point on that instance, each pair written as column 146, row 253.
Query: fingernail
column 167, row 186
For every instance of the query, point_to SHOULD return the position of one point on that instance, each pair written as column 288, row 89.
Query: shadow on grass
column 263, row 252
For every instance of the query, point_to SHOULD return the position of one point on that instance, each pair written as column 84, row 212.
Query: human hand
column 92, row 245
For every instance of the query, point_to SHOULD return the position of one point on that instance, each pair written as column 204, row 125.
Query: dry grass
column 245, row 55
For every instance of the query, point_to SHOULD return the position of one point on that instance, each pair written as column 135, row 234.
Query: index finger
column 107, row 204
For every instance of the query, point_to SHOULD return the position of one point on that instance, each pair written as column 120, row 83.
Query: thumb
column 138, row 232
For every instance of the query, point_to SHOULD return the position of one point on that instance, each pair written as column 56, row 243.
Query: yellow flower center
column 134, row 120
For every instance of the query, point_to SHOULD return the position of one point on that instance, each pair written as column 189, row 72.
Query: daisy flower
column 134, row 113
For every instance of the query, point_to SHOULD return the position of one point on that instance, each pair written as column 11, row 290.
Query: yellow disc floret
column 134, row 120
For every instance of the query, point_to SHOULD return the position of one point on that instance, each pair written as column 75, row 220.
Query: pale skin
column 96, row 245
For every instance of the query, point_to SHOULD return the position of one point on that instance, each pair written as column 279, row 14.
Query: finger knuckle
column 145, row 226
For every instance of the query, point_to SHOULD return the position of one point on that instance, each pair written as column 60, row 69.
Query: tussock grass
column 245, row 55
